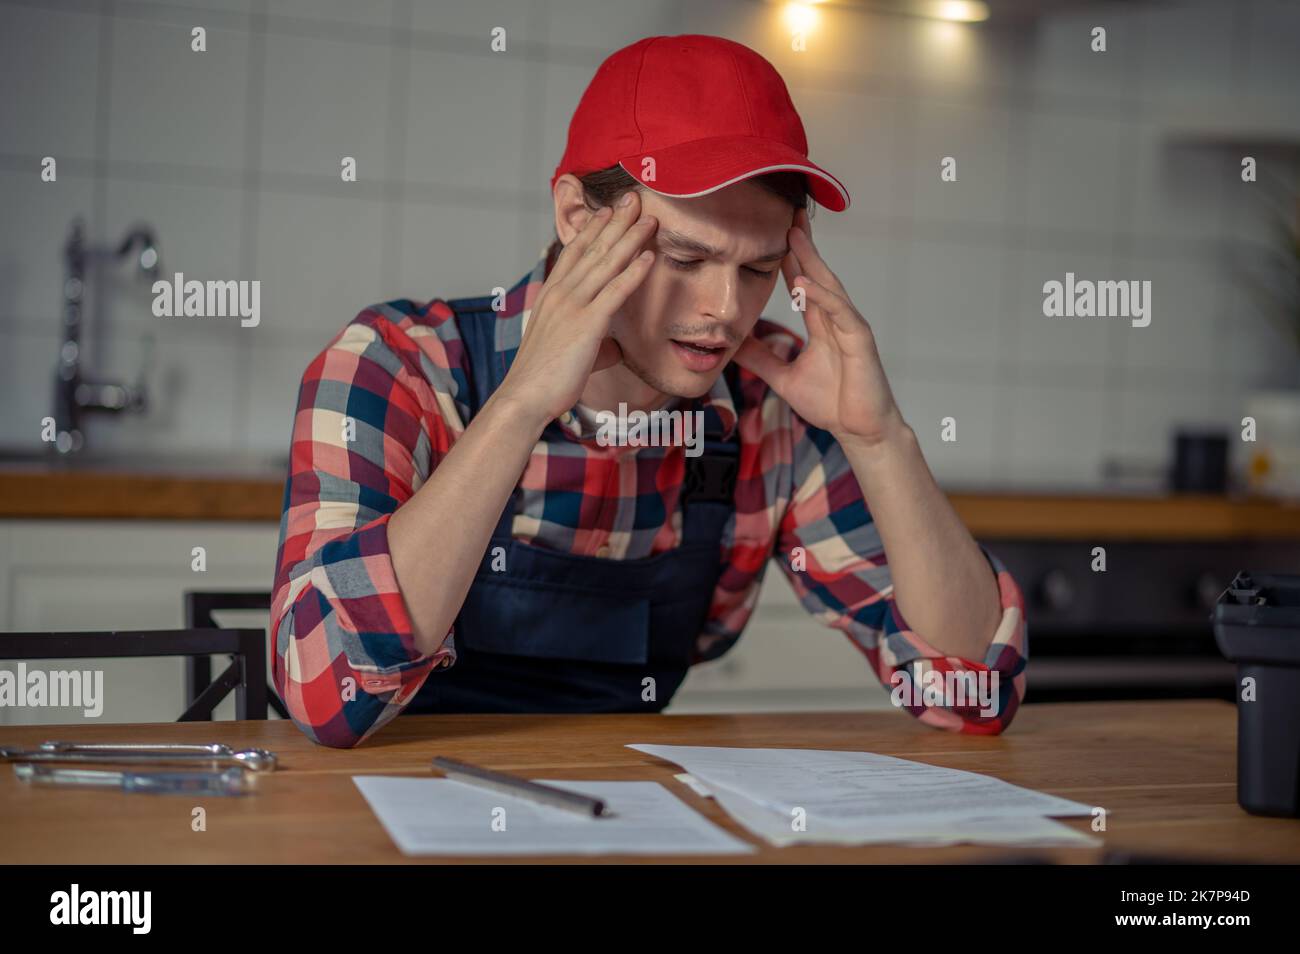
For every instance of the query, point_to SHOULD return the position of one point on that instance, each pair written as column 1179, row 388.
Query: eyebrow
column 685, row 243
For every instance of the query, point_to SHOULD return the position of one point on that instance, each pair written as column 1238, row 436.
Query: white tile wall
column 976, row 137
column 170, row 104
column 24, row 373
column 1268, row 56
column 1065, row 163
column 323, row 99
column 374, row 12
column 210, row 252
column 448, row 247
column 34, row 79
column 1051, row 344
column 1074, row 168
column 1066, row 66
column 564, row 84
column 947, row 58
column 606, row 25
column 934, row 390
column 955, row 318
column 477, row 20
column 1070, row 418
column 1182, row 343
column 1189, row 58
column 193, row 396
column 1179, row 191
column 467, row 119
column 301, row 240
column 1142, row 426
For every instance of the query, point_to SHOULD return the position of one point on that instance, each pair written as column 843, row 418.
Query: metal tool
column 520, row 787
column 128, row 753
column 231, row 781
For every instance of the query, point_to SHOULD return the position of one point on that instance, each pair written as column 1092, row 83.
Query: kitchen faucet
column 77, row 391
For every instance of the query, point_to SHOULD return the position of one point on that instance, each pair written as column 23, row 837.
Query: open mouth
column 699, row 348
column 697, row 356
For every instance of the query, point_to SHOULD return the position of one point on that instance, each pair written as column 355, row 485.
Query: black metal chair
column 200, row 606
column 246, row 674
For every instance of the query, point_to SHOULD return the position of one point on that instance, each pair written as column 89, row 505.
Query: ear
column 571, row 212
column 802, row 221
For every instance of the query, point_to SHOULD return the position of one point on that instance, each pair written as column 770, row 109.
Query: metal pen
column 521, row 787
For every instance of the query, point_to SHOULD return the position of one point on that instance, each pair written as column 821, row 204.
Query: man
column 466, row 529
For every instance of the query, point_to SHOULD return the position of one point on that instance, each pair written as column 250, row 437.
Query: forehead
column 742, row 220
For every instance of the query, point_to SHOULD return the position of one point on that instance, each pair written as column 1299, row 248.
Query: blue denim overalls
column 556, row 632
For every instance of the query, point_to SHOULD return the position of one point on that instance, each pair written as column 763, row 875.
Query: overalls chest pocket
column 552, row 620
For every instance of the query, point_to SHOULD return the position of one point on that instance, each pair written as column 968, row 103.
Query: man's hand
column 837, row 382
column 942, row 583
column 566, row 338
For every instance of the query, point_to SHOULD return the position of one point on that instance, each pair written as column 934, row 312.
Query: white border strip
column 785, row 167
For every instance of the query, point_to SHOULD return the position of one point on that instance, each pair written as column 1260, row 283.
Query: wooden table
column 1165, row 771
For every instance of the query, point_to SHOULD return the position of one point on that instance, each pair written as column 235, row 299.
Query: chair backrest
column 200, row 609
column 201, row 604
column 246, row 675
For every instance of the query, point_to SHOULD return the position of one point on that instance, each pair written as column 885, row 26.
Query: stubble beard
column 662, row 385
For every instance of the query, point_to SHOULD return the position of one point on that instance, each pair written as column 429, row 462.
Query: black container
column 1200, row 463
column 1257, row 626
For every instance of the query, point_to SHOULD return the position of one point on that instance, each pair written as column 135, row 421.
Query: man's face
column 717, row 259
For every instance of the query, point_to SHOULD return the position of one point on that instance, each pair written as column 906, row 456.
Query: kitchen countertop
column 238, row 489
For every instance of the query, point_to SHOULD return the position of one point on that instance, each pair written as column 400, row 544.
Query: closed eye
column 687, row 265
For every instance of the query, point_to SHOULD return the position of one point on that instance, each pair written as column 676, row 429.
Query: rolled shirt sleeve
column 830, row 549
column 367, row 431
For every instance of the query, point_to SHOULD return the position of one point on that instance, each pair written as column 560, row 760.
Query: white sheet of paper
column 778, row 830
column 438, row 816
column 694, row 784
column 855, row 788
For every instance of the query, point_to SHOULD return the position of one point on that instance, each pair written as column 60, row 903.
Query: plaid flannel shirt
column 345, row 660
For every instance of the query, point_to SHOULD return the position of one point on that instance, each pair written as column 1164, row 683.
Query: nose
column 721, row 300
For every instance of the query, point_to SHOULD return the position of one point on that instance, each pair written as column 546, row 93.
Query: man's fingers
column 598, row 250
column 572, row 252
column 815, row 321
column 617, row 290
column 790, row 270
column 813, row 265
column 613, row 260
column 753, row 355
column 836, row 309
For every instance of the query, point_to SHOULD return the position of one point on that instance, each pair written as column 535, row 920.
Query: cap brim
column 697, row 168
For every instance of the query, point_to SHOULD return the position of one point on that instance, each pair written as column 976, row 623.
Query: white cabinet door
column 785, row 660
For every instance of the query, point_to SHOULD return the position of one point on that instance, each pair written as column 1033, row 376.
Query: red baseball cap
column 688, row 115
